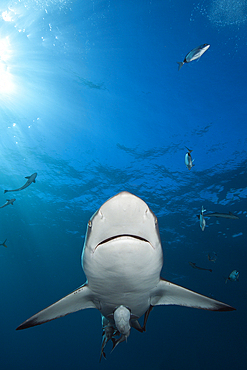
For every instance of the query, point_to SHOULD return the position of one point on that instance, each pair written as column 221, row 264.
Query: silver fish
column 188, row 159
column 194, row 54
column 202, row 219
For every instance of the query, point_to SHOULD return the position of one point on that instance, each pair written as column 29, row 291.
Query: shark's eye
column 89, row 223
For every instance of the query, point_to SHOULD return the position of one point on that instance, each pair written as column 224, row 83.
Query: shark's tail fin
column 189, row 150
column 180, row 65
column 3, row 244
column 5, row 191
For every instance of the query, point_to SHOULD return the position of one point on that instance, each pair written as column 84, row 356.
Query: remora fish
column 233, row 276
column 223, row 215
column 3, row 244
column 188, row 159
column 122, row 259
column 192, row 264
column 109, row 332
column 9, row 201
column 29, row 182
column 194, row 54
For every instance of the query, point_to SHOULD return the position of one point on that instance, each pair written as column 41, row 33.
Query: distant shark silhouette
column 3, row 244
column 29, row 182
column 122, row 259
column 192, row 264
column 9, row 201
column 223, row 215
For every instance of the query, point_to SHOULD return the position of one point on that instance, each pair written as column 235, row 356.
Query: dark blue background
column 91, row 99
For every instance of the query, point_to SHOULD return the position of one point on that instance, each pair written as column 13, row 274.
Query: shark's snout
column 122, row 216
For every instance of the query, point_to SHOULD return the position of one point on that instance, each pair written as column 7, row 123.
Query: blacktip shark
column 30, row 179
column 9, row 201
column 194, row 54
column 122, row 258
column 188, row 159
column 222, row 215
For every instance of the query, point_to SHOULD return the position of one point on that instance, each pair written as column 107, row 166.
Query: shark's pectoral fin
column 167, row 293
column 80, row 299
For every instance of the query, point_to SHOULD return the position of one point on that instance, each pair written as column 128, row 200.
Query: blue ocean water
column 91, row 99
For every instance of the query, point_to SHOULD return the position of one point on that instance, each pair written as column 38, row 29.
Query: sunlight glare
column 6, row 16
column 6, row 83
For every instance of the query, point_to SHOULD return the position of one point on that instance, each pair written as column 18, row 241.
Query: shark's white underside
column 122, row 259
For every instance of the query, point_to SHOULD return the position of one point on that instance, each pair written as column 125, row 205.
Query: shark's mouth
column 122, row 236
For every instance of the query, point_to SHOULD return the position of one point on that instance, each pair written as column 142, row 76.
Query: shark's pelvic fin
column 146, row 317
column 136, row 325
column 167, row 293
column 80, row 299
